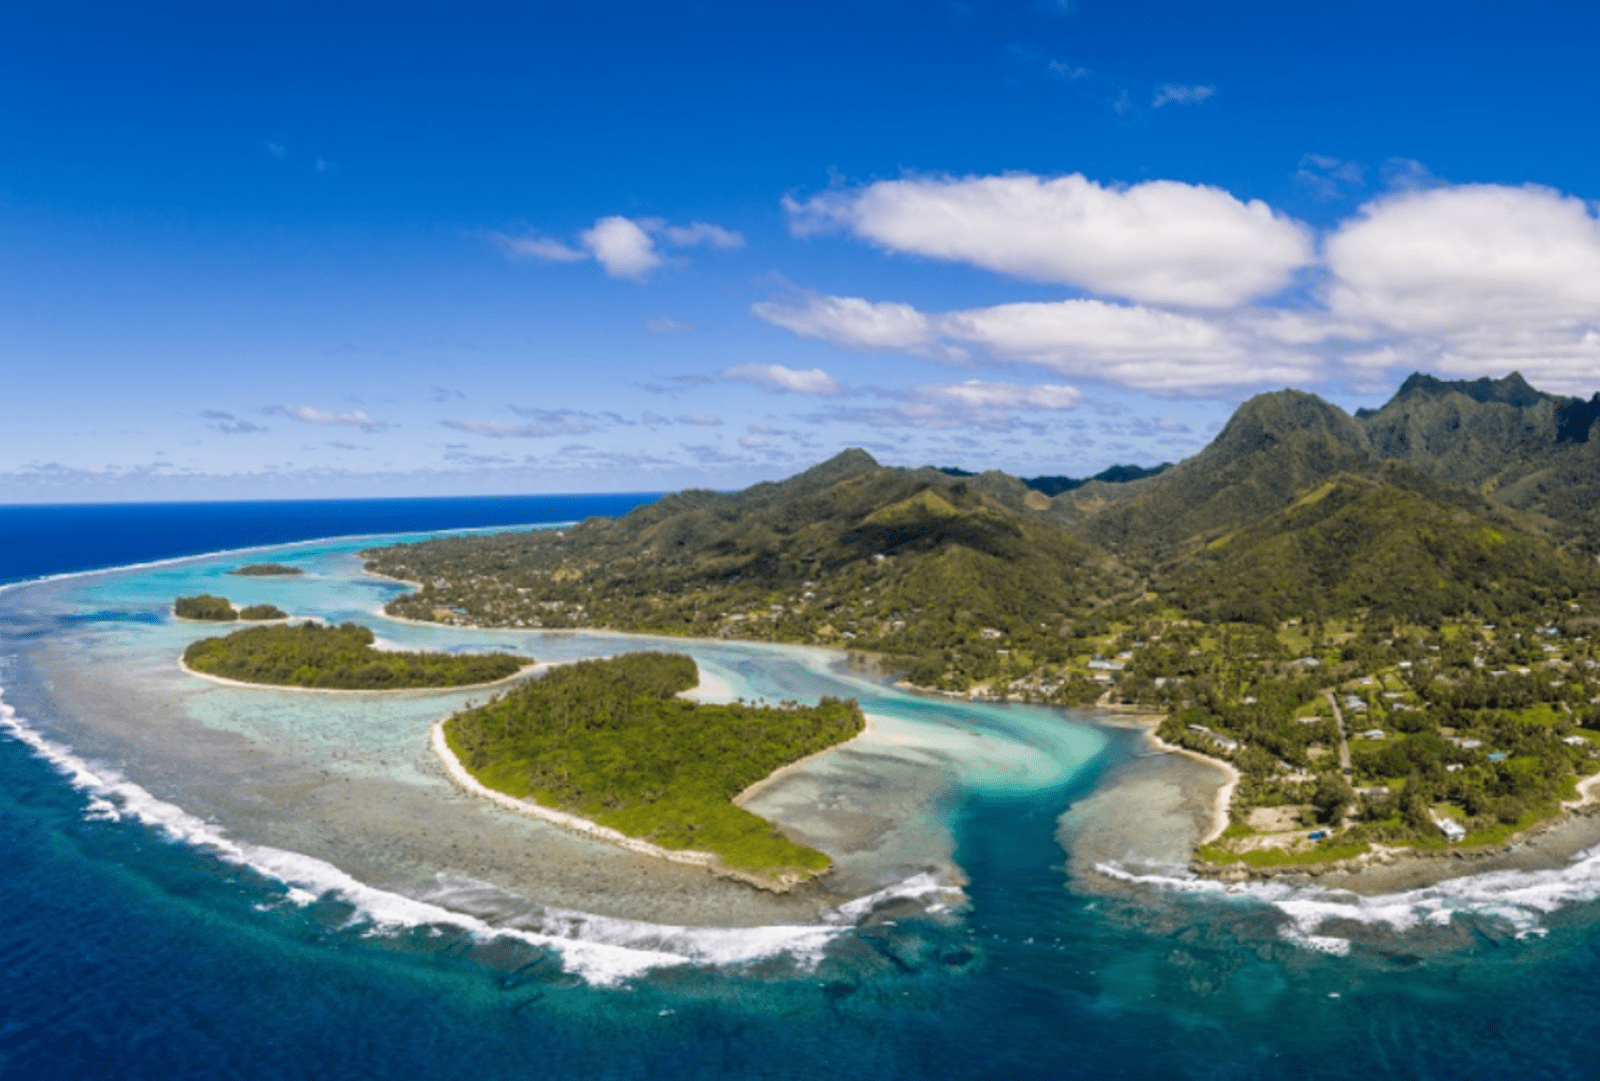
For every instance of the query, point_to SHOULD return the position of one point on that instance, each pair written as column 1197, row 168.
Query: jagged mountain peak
column 1511, row 389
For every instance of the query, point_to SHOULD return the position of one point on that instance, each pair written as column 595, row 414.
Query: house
column 1372, row 733
column 1452, row 830
column 1575, row 741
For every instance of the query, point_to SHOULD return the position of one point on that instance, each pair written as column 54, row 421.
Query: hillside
column 1522, row 447
column 949, row 573
column 1392, row 546
column 1272, row 449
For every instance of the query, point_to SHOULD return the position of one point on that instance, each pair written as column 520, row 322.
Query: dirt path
column 1344, row 740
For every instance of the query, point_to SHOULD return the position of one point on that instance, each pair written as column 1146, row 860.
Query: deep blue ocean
column 125, row 954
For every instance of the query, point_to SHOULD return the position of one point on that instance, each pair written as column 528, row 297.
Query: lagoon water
column 208, row 881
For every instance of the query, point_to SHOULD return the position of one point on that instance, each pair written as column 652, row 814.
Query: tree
column 1333, row 794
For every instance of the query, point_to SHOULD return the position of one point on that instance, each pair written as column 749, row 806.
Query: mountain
column 911, row 561
column 1522, row 447
column 1296, row 508
column 1393, row 546
column 1274, row 447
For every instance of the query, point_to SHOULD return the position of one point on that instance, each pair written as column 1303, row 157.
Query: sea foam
column 602, row 950
column 1518, row 899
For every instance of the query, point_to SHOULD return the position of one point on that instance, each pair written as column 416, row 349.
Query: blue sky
column 251, row 251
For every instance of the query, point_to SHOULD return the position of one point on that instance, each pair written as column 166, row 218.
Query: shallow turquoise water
column 162, row 922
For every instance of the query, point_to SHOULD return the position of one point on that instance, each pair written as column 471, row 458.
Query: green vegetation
column 220, row 610
column 206, row 607
column 338, row 658
column 1426, row 571
column 609, row 741
column 266, row 570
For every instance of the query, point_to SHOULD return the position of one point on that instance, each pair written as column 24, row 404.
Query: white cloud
column 1135, row 346
column 1160, row 242
column 356, row 418
column 540, row 247
column 1139, row 347
column 701, row 232
column 1179, row 94
column 624, row 247
column 1475, row 256
column 777, row 377
column 621, row 247
column 705, row 420
column 976, row 394
column 858, row 324
column 1474, row 280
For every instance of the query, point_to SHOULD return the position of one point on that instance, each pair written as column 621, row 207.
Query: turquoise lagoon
column 220, row 881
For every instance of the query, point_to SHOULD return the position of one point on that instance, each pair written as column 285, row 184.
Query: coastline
column 521, row 673
column 781, row 772
column 1149, row 722
column 710, row 861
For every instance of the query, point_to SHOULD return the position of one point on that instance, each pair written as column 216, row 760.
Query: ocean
column 236, row 883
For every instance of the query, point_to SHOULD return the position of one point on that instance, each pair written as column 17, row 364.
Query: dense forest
column 339, row 658
column 609, row 740
column 266, row 570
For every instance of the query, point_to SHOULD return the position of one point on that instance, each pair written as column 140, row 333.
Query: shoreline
column 756, row 788
column 525, row 671
column 1222, row 806
column 583, row 827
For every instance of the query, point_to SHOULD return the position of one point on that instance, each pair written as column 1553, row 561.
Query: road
column 1344, row 740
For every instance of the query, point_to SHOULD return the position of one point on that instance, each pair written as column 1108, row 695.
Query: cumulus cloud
column 1474, row 280
column 1465, row 280
column 1136, row 346
column 777, row 377
column 1472, row 256
column 1161, row 241
column 859, row 324
column 624, row 247
column 306, row 414
column 1179, row 94
column 621, row 247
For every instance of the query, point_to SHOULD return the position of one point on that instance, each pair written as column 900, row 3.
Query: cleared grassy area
column 1278, row 857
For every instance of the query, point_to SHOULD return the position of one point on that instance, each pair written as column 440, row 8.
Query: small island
column 206, row 608
column 266, row 570
column 611, row 742
column 343, row 658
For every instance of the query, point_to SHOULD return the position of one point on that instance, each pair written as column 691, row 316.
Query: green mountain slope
column 913, row 562
column 1524, row 448
column 1274, row 447
column 1392, row 546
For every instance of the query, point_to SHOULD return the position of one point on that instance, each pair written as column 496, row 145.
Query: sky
column 293, row 250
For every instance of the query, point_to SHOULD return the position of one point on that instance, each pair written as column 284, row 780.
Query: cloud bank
column 1188, row 288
